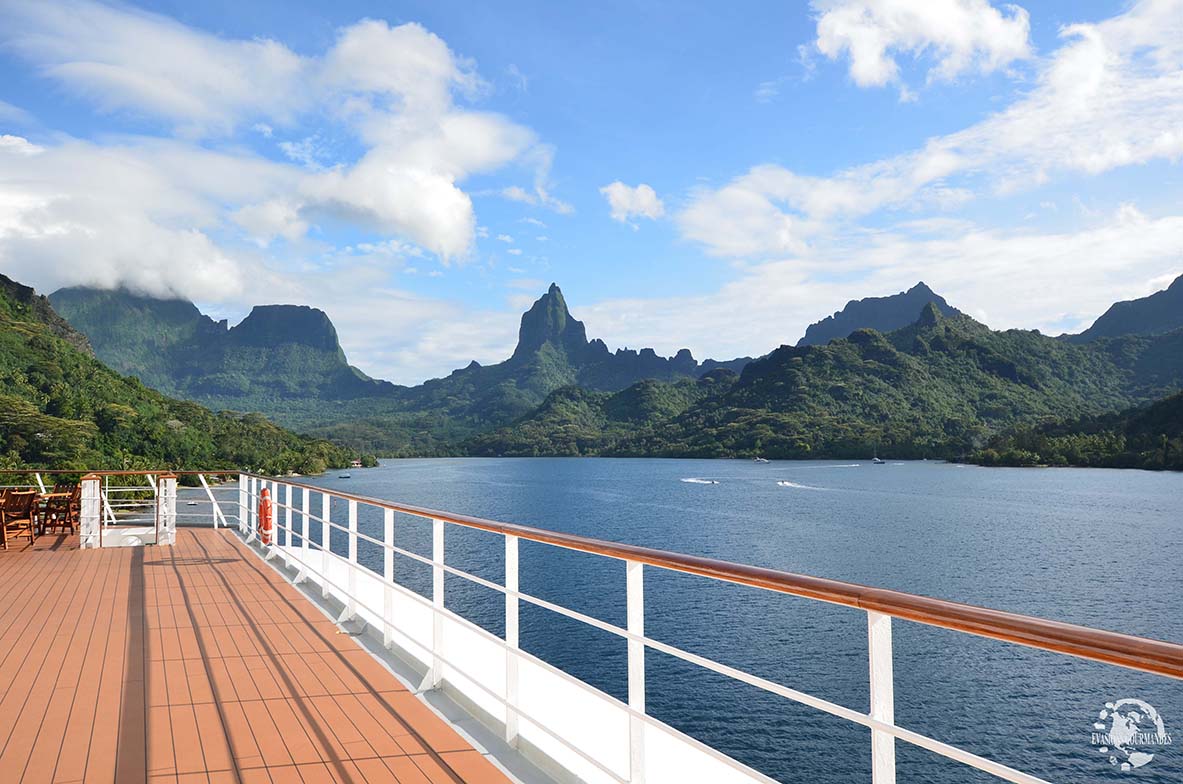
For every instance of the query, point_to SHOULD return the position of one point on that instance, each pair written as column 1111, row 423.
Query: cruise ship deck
column 195, row 663
column 255, row 629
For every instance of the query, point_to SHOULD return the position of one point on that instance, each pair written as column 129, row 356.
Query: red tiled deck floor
column 197, row 663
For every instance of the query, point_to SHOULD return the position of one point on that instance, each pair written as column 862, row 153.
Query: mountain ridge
column 882, row 314
column 286, row 361
column 1154, row 314
column 939, row 387
column 60, row 407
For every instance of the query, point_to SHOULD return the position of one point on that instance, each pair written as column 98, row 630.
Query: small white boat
column 878, row 461
column 344, row 476
column 760, row 460
column 190, row 503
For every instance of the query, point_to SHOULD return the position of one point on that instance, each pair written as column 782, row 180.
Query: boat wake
column 839, row 465
column 695, row 481
column 787, row 483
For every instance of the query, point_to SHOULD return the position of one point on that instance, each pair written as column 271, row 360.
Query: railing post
column 325, row 540
column 350, row 610
column 287, row 520
column 253, row 510
column 882, row 696
column 437, row 601
column 242, row 480
column 304, row 529
column 388, row 578
column 90, row 530
column 635, row 612
column 166, row 509
column 511, row 640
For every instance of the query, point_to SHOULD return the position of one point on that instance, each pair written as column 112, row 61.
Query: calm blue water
column 1096, row 547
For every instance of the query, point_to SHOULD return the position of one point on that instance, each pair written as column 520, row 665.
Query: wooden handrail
column 1137, row 653
column 132, row 472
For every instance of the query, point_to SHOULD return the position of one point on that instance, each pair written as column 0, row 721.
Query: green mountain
column 576, row 421
column 940, row 387
column 883, row 314
column 285, row 361
column 62, row 408
column 277, row 353
column 1142, row 437
column 1153, row 315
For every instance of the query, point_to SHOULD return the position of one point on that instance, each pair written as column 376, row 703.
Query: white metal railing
column 315, row 560
column 504, row 682
column 109, row 511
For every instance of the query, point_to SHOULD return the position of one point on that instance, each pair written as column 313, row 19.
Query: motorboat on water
column 760, row 460
column 878, row 461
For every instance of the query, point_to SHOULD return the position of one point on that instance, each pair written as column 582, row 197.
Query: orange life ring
column 265, row 522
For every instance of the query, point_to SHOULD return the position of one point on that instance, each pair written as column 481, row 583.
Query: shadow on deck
column 198, row 662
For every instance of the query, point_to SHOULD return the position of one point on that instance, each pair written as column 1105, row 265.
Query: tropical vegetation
column 62, row 408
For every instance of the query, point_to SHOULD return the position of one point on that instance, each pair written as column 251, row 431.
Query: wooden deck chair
column 17, row 515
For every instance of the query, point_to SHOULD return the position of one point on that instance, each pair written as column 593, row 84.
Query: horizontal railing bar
column 1138, row 653
column 103, row 472
column 474, row 628
column 470, row 677
column 834, row 709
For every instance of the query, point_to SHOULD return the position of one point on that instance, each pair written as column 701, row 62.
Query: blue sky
column 714, row 177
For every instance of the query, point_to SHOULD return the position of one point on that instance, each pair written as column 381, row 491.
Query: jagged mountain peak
column 272, row 325
column 930, row 315
column 884, row 314
column 549, row 321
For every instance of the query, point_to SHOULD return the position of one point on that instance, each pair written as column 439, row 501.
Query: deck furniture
column 16, row 515
column 57, row 512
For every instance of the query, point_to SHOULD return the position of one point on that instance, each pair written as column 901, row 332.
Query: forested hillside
column 1143, row 437
column 286, row 362
column 941, row 387
column 62, row 408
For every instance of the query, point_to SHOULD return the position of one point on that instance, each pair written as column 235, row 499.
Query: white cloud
column 961, row 36
column 18, row 145
column 628, row 202
column 305, row 151
column 517, row 78
column 391, row 87
column 1110, row 96
column 15, row 114
column 988, row 273
column 514, row 251
column 267, row 220
column 505, row 238
column 539, row 197
column 143, row 213
column 128, row 60
column 766, row 92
